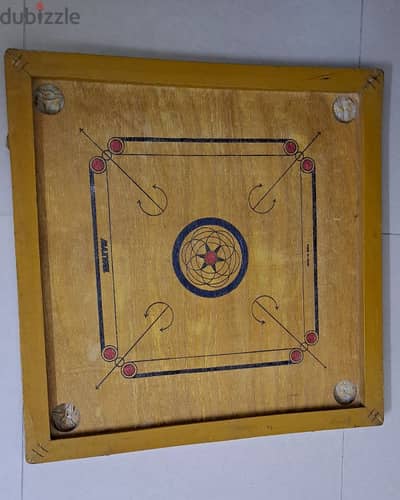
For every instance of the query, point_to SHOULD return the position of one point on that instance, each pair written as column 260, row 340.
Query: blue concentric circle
column 210, row 257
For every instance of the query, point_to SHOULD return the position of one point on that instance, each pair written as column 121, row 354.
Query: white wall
column 351, row 464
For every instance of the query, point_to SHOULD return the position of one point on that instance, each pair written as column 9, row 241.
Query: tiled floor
column 354, row 464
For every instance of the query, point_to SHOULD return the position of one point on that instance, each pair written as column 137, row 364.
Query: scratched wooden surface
column 210, row 180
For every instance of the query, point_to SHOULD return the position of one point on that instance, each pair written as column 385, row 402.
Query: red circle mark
column 109, row 353
column 98, row 165
column 311, row 338
column 307, row 165
column 290, row 147
column 296, row 356
column 129, row 370
column 116, row 146
column 40, row 6
column 210, row 258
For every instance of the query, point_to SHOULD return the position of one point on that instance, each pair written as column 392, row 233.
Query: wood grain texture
column 197, row 187
column 200, row 179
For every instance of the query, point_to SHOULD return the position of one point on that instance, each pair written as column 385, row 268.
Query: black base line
column 315, row 249
column 112, row 260
column 213, row 369
column 302, row 247
column 96, row 258
column 177, row 358
column 210, row 140
column 221, row 155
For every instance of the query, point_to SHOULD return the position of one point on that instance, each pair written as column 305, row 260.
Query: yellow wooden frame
column 21, row 68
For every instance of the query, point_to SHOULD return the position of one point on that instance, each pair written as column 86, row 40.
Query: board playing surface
column 200, row 253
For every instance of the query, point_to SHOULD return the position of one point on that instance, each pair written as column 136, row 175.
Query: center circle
column 210, row 257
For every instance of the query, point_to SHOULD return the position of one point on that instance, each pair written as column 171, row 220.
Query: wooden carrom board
column 198, row 250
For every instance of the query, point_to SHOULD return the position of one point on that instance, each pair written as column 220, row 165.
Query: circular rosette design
column 210, row 257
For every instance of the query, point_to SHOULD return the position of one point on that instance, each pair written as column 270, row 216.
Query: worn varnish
column 195, row 246
column 303, row 268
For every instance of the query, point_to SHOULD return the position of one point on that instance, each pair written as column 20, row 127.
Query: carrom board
column 198, row 250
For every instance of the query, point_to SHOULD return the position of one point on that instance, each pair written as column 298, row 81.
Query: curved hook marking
column 162, row 208
column 258, row 302
column 254, row 207
column 167, row 307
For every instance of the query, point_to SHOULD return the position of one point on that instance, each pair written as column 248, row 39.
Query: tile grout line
column 361, row 32
column 342, row 468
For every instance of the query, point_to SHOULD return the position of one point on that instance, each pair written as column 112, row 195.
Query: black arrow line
column 286, row 171
column 147, row 311
column 290, row 333
column 122, row 170
column 162, row 209
column 263, row 212
column 131, row 348
column 274, row 184
column 261, row 321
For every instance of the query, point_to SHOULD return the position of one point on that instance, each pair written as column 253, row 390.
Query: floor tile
column 11, row 36
column 380, row 47
column 10, row 371
column 260, row 30
column 372, row 456
column 284, row 467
